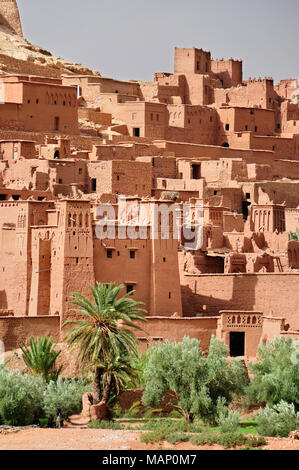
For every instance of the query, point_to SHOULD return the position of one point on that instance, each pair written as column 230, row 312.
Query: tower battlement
column 10, row 16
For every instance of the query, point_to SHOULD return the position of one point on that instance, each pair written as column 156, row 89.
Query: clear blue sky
column 132, row 39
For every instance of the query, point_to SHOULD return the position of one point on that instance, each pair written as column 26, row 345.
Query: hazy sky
column 132, row 39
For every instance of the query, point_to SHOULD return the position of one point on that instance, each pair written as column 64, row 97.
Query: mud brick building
column 72, row 141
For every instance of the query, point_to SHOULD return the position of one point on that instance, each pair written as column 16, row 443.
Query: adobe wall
column 174, row 329
column 271, row 293
column 14, row 331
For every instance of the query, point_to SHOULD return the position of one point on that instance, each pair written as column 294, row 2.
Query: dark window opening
column 94, row 184
column 56, row 123
column 109, row 254
column 237, row 343
column 247, row 195
column 40, row 198
column 132, row 254
column 215, row 193
column 255, row 128
column 227, row 127
column 225, row 144
column 15, row 197
column 130, row 289
column 196, row 173
column 169, row 295
column 164, row 260
column 60, row 181
column 2, row 197
column 245, row 211
column 56, row 154
column 136, row 131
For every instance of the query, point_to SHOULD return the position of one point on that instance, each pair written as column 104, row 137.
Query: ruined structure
column 10, row 17
column 72, row 141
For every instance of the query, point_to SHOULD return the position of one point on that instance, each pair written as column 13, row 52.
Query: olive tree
column 199, row 385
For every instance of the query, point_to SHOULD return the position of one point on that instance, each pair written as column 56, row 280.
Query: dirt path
column 76, row 438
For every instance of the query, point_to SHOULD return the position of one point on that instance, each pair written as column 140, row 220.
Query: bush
column 40, row 358
column 253, row 441
column 95, row 424
column 196, row 382
column 153, row 436
column 279, row 420
column 162, row 430
column 169, row 426
column 175, row 437
column 276, row 375
column 232, row 439
column 21, row 396
column 229, row 421
column 65, row 393
column 227, row 439
column 205, row 438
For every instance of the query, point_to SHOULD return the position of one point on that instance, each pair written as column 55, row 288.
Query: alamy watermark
column 295, row 353
column 2, row 353
column 295, row 93
column 154, row 220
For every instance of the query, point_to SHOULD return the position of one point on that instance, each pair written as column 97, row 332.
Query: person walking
column 58, row 417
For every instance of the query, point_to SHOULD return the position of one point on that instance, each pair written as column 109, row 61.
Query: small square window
column 109, row 254
column 227, row 127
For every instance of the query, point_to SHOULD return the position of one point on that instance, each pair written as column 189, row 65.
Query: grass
column 174, row 431
column 95, row 424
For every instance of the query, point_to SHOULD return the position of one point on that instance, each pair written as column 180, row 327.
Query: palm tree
column 40, row 358
column 106, row 331
column 116, row 373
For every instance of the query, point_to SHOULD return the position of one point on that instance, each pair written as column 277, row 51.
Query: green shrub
column 232, row 439
column 40, row 357
column 175, row 437
column 279, row 420
column 205, row 438
column 153, row 436
column 228, row 421
column 254, row 441
column 65, row 393
column 95, row 424
column 276, row 375
column 226, row 440
column 195, row 381
column 161, row 430
column 21, row 396
column 169, row 426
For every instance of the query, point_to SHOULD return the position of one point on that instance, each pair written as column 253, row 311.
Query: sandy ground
column 81, row 438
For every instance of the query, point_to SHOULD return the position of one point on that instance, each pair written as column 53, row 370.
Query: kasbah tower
column 72, row 141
